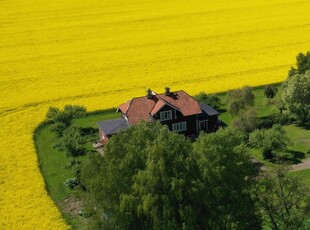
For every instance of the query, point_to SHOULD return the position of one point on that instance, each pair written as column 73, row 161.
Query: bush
column 269, row 140
column 86, row 213
column 270, row 91
column 267, row 154
column 71, row 183
column 61, row 119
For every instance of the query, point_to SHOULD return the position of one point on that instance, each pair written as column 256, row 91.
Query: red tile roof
column 160, row 103
column 141, row 108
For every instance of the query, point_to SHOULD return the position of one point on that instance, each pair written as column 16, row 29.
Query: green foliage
column 270, row 91
column 226, row 178
column 277, row 118
column 71, row 183
column 246, row 122
column 239, row 99
column 61, row 120
column 111, row 177
column 235, row 107
column 71, row 142
column 283, row 199
column 296, row 96
column 279, row 104
column 150, row 178
column 210, row 99
column 303, row 64
column 163, row 190
column 269, row 140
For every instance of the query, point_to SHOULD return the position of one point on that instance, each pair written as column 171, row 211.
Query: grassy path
column 304, row 165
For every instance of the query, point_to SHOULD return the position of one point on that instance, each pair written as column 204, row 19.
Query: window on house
column 178, row 127
column 165, row 115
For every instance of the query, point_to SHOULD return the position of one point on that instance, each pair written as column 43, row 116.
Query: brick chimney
column 167, row 91
column 150, row 94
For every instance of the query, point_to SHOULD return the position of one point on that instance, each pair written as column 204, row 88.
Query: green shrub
column 71, row 183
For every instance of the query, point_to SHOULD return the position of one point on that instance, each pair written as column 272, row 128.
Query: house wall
column 212, row 122
column 213, row 126
column 104, row 138
column 178, row 117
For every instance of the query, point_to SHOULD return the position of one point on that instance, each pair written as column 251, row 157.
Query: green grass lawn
column 304, row 175
column 300, row 137
column 89, row 127
column 260, row 104
column 53, row 162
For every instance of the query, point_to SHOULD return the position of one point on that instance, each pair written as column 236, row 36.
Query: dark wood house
column 178, row 110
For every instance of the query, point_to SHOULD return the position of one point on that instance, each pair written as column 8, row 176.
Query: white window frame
column 165, row 115
column 179, row 127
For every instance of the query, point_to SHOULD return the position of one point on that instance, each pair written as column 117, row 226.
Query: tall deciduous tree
column 246, row 122
column 296, row 96
column 239, row 99
column 164, row 192
column 150, row 178
column 283, row 199
column 226, row 179
column 303, row 64
column 124, row 156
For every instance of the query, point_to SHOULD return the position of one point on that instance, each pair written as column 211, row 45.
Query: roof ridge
column 129, row 105
column 121, row 124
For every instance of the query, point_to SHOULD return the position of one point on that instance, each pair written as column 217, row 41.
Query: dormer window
column 165, row 115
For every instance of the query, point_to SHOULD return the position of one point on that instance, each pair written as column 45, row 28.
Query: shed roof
column 110, row 127
column 208, row 109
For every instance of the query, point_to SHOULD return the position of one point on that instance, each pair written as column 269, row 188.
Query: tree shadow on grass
column 88, row 131
column 222, row 110
column 305, row 126
column 291, row 157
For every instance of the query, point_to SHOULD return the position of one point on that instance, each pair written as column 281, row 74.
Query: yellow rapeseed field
column 99, row 53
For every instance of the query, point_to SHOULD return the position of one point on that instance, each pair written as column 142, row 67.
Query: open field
column 100, row 53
